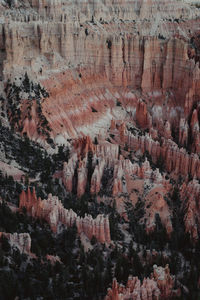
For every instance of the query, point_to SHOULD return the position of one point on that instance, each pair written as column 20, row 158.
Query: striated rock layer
column 56, row 215
column 176, row 160
column 89, row 55
column 118, row 82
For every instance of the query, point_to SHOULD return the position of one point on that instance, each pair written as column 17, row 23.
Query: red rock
column 102, row 155
column 83, row 75
column 95, row 72
column 123, row 182
column 160, row 286
column 82, row 177
column 167, row 131
column 190, row 197
column 68, row 172
column 183, row 132
column 55, row 214
column 174, row 159
column 96, row 177
column 142, row 116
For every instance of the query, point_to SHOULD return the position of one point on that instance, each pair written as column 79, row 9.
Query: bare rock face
column 133, row 290
column 10, row 170
column 142, row 116
column 118, row 82
column 21, row 241
column 86, row 97
column 190, row 196
column 102, row 155
column 183, row 132
column 114, row 176
column 68, row 172
column 176, row 160
column 88, row 61
column 82, row 177
column 194, row 125
column 56, row 215
column 159, row 286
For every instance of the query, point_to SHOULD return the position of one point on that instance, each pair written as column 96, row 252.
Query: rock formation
column 90, row 63
column 56, row 215
column 118, row 83
column 115, row 177
column 190, row 197
column 10, row 170
column 175, row 160
column 142, row 115
column 159, row 286
column 21, row 241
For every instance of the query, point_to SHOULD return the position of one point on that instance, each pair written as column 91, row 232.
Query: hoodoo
column 100, row 118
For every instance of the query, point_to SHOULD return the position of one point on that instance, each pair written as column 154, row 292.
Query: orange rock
column 174, row 159
column 142, row 116
column 160, row 286
column 55, row 214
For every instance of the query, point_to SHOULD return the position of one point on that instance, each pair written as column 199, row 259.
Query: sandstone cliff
column 111, row 175
column 118, row 82
column 176, row 160
column 56, row 215
column 88, row 64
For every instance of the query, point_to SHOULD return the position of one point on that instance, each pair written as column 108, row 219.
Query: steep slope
column 100, row 107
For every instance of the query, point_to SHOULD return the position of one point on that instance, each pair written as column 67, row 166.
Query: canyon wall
column 102, row 9
column 124, row 73
column 56, row 215
column 106, row 173
column 89, row 56
column 124, row 57
column 176, row 160
column 118, row 83
column 102, row 171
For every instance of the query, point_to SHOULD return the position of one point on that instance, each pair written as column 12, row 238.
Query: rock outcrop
column 175, row 160
column 9, row 170
column 21, row 241
column 118, row 82
column 111, row 175
column 57, row 216
column 142, row 115
column 159, row 286
column 190, row 197
column 89, row 57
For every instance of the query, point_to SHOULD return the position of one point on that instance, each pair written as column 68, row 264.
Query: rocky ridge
column 56, row 215
column 123, row 178
column 118, row 83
